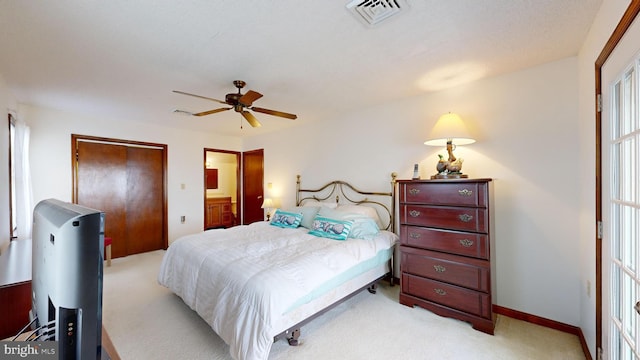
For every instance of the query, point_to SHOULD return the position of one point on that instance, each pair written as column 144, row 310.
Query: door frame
column 238, row 188
column 163, row 147
column 240, row 181
column 625, row 22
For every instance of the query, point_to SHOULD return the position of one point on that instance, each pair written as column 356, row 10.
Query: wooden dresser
column 218, row 213
column 445, row 245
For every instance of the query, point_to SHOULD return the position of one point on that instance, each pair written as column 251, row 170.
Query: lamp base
column 449, row 176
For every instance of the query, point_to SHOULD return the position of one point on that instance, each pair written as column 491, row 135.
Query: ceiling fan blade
column 209, row 112
column 250, row 118
column 275, row 113
column 248, row 98
column 199, row 96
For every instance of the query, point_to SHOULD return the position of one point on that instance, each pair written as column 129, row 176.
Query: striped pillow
column 285, row 219
column 331, row 228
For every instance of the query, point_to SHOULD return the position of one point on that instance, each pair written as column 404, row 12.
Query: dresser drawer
column 454, row 242
column 473, row 274
column 446, row 217
column 459, row 194
column 455, row 297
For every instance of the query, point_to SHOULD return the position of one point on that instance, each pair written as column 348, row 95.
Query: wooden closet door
column 127, row 183
column 144, row 200
column 102, row 184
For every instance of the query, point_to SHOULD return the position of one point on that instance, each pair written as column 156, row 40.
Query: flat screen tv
column 68, row 243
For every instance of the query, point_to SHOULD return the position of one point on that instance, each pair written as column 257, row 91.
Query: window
column 13, row 228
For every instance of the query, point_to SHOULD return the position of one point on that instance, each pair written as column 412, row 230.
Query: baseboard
column 556, row 325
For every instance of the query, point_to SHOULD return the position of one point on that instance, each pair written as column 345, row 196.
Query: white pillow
column 367, row 211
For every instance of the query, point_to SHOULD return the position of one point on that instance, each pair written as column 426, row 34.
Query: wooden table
column 15, row 287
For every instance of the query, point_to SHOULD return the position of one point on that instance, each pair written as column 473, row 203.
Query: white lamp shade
column 267, row 203
column 449, row 127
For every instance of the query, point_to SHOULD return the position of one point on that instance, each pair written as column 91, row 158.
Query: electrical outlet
column 588, row 288
column 182, row 219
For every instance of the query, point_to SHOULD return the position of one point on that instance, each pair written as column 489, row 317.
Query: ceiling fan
column 240, row 103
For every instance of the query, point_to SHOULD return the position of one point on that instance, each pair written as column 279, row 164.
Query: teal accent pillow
column 363, row 226
column 308, row 214
column 331, row 228
column 286, row 219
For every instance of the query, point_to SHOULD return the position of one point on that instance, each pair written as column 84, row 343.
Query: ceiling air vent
column 373, row 12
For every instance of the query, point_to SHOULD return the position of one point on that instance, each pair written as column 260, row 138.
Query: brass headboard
column 383, row 202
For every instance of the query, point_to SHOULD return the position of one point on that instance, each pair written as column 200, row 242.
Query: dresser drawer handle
column 414, row 191
column 465, row 217
column 439, row 268
column 465, row 192
column 466, row 242
column 415, row 235
column 414, row 213
column 440, row 292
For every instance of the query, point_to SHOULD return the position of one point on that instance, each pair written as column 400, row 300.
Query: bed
column 259, row 283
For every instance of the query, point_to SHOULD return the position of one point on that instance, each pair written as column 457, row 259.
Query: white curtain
column 24, row 193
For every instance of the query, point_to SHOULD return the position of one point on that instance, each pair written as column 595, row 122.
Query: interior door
column 252, row 185
column 621, row 198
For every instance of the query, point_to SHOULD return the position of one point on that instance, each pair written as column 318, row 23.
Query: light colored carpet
column 147, row 321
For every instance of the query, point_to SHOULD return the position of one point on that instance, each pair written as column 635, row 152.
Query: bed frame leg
column 293, row 338
column 373, row 288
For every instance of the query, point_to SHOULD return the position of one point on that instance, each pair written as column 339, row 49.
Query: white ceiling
column 121, row 59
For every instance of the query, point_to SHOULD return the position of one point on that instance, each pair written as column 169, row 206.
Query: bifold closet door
column 126, row 182
column 144, row 200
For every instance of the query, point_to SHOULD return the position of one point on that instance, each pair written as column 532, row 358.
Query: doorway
column 221, row 190
column 233, row 187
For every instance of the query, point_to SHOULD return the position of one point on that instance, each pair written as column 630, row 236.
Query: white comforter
column 242, row 280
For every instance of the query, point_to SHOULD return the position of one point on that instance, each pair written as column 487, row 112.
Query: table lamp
column 449, row 131
column 267, row 204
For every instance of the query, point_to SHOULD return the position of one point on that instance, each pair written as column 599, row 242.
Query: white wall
column 607, row 19
column 51, row 159
column 526, row 125
column 8, row 104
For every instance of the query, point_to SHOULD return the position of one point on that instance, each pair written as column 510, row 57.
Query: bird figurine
column 455, row 167
column 442, row 164
column 450, row 168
